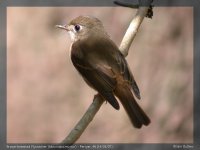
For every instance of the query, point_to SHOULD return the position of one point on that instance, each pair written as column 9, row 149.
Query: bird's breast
column 76, row 51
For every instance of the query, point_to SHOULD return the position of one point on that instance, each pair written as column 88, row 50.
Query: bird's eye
column 77, row 27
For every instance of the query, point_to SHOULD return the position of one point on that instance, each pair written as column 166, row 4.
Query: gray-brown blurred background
column 46, row 96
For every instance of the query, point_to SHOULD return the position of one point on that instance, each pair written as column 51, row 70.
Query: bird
column 103, row 67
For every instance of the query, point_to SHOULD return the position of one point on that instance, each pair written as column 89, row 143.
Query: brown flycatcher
column 103, row 66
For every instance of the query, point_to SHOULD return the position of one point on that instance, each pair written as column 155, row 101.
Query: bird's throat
column 72, row 36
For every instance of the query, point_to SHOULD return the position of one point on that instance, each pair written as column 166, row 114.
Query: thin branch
column 85, row 120
column 126, row 4
column 132, row 30
column 98, row 101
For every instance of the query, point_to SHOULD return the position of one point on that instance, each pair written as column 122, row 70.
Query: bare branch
column 132, row 30
column 126, row 4
column 98, row 101
column 85, row 120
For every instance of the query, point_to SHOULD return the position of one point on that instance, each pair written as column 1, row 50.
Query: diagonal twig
column 123, row 4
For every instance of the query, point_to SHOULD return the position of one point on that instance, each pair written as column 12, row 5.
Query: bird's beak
column 65, row 27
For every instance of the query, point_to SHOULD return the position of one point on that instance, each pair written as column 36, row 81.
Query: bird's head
column 83, row 27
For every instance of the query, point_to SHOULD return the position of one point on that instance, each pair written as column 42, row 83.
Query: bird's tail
column 134, row 111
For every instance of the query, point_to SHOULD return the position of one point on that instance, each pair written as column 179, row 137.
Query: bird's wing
column 107, row 50
column 96, row 74
column 126, row 73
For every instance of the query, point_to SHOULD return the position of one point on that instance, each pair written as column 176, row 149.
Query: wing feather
column 99, row 77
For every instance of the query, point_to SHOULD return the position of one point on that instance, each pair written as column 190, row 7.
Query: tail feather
column 134, row 111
